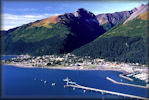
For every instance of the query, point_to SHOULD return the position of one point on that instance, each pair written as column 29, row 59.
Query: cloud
column 23, row 9
column 11, row 20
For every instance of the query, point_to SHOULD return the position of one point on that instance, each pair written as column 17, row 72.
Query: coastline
column 66, row 68
column 72, row 68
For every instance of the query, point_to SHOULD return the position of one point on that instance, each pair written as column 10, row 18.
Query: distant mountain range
column 111, row 19
column 119, row 36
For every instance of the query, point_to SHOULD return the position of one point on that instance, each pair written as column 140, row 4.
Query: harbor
column 108, row 78
column 130, row 79
column 85, row 88
column 50, row 83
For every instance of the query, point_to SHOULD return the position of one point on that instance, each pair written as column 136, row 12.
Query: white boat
column 53, row 84
column 45, row 81
column 66, row 79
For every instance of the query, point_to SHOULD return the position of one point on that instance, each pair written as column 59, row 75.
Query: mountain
column 143, row 8
column 45, row 22
column 53, row 35
column 109, row 20
column 85, row 27
column 120, row 36
column 2, row 32
column 124, row 42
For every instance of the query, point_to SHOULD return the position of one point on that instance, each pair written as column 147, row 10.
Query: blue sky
column 16, row 13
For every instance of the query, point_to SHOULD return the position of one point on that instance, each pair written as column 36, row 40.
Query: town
column 70, row 61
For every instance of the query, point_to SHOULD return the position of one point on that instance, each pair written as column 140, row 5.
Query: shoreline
column 65, row 68
column 101, row 68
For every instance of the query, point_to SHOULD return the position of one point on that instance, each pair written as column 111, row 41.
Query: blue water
column 20, row 82
column 7, row 57
column 26, row 82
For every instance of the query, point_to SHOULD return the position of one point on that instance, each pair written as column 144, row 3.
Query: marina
column 126, row 77
column 125, row 83
column 68, row 84
column 83, row 84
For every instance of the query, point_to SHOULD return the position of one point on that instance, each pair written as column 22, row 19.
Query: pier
column 126, row 77
column 68, row 84
column 125, row 83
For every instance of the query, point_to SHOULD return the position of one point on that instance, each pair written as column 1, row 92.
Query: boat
column 66, row 79
column 84, row 91
column 45, row 81
column 53, row 84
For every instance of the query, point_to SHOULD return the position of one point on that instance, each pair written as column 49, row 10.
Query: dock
column 126, row 77
column 108, row 78
column 68, row 84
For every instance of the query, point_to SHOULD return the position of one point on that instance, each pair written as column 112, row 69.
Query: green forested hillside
column 35, row 40
column 54, row 35
column 34, row 34
column 134, row 28
column 124, row 43
column 82, row 36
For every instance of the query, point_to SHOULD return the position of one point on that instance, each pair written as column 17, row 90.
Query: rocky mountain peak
column 81, row 12
column 141, row 6
column 140, row 10
column 81, row 15
column 133, row 10
column 83, row 25
column 113, row 18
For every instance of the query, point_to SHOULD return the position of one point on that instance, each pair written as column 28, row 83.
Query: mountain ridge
column 81, row 33
column 141, row 9
column 123, row 43
column 108, row 20
column 63, row 32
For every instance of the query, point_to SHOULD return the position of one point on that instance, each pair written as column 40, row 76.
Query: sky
column 16, row 13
